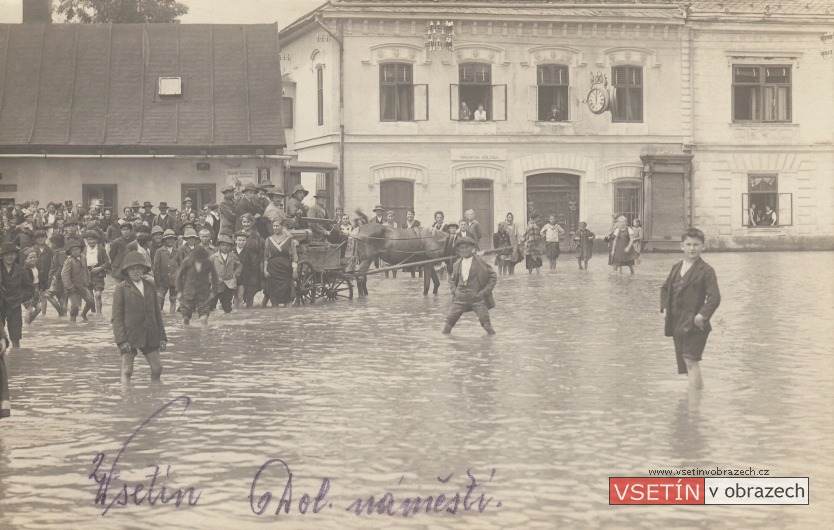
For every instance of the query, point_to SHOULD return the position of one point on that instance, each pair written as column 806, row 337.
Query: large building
column 704, row 114
column 147, row 112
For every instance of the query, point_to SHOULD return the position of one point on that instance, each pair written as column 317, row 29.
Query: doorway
column 477, row 195
column 554, row 194
column 397, row 196
column 201, row 194
column 106, row 193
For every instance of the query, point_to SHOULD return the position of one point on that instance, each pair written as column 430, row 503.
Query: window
column 627, row 100
column 761, row 93
column 628, row 199
column 320, row 93
column 201, row 194
column 552, row 82
column 286, row 109
column 396, row 92
column 763, row 206
column 476, row 98
column 105, row 194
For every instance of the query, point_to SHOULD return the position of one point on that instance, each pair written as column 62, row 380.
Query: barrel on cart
column 320, row 271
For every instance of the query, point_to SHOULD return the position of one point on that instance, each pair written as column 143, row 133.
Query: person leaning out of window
column 768, row 217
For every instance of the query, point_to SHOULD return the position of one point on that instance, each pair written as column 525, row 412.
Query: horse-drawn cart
column 320, row 271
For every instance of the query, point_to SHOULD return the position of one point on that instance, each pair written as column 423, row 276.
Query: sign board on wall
column 479, row 155
column 240, row 176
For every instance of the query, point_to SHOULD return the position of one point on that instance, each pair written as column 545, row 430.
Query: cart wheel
column 305, row 284
column 335, row 286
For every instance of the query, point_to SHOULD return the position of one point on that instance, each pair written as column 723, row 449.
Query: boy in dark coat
column 689, row 297
column 195, row 279
column 472, row 283
column 76, row 279
column 16, row 287
column 165, row 267
column 137, row 320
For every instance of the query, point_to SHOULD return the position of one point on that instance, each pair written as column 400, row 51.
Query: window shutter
column 499, row 102
column 454, row 102
column 785, row 209
column 745, row 209
column 574, row 101
column 533, row 103
column 421, row 102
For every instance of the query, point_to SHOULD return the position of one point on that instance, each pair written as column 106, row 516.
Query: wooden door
column 477, row 195
column 397, row 196
column 668, row 213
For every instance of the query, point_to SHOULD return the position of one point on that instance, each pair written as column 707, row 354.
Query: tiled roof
column 81, row 87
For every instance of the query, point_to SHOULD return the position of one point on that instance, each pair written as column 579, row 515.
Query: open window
column 475, row 98
column 763, row 206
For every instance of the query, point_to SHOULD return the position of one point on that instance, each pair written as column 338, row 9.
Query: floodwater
column 578, row 385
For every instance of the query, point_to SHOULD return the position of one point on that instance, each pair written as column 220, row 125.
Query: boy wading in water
column 137, row 319
column 472, row 283
column 689, row 297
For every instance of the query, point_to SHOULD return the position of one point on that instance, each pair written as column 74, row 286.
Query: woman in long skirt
column 280, row 264
column 533, row 245
column 620, row 238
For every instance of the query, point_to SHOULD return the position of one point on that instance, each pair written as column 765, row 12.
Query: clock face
column 597, row 100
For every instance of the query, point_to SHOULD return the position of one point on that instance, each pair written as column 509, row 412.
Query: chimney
column 37, row 11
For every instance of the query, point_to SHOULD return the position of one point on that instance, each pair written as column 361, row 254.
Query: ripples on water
column 578, row 385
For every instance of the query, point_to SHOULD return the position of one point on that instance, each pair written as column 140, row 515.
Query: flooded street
column 578, row 385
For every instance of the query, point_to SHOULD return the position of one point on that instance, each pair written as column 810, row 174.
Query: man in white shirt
column 473, row 280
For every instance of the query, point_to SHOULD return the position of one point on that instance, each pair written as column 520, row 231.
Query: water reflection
column 579, row 384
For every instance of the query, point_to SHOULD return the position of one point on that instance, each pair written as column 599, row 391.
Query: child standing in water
column 689, row 297
column 137, row 319
column 533, row 244
column 195, row 279
column 552, row 233
column 584, row 239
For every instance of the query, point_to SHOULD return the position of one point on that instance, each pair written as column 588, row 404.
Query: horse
column 397, row 246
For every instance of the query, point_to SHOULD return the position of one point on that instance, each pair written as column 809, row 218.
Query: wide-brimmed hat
column 251, row 186
column 299, row 187
column 169, row 234
column 379, row 208
column 125, row 223
column 157, row 230
column 91, row 234
column 223, row 238
column 276, row 191
column 147, row 204
column 465, row 240
column 266, row 184
column 451, row 225
column 240, row 233
column 187, row 199
column 189, row 233
column 73, row 242
column 185, row 224
column 227, row 189
column 136, row 258
column 70, row 221
column 8, row 248
column 135, row 204
column 163, row 206
column 322, row 194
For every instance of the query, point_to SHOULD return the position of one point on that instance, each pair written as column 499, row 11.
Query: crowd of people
column 60, row 254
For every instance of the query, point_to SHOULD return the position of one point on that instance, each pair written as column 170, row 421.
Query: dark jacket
column 482, row 280
column 167, row 223
column 698, row 295
column 244, row 206
column 137, row 319
column 43, row 264
column 165, row 267
column 75, row 273
column 15, row 286
column 228, row 217
column 118, row 251
column 192, row 283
